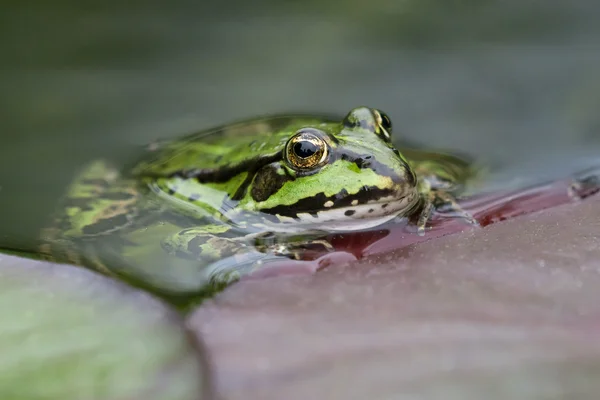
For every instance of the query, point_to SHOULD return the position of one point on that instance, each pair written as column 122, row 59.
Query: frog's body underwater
column 248, row 193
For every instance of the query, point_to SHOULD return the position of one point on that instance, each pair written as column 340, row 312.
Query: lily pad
column 505, row 312
column 68, row 333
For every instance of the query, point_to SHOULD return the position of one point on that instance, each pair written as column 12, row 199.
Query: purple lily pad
column 508, row 311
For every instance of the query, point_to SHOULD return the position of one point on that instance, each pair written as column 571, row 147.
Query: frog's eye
column 384, row 123
column 306, row 150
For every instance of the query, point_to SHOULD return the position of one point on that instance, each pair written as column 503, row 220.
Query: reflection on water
column 512, row 82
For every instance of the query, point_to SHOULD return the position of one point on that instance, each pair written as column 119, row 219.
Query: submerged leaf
column 68, row 333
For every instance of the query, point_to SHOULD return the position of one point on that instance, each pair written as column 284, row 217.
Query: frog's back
column 227, row 145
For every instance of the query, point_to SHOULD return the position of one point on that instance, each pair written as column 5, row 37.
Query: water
column 514, row 82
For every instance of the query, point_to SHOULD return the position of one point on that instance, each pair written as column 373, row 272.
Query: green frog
column 248, row 193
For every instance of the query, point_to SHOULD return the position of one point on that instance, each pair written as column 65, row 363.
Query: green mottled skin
column 234, row 193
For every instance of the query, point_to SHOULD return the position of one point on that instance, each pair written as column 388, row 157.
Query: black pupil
column 305, row 149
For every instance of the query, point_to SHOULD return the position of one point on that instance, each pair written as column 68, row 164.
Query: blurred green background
column 514, row 82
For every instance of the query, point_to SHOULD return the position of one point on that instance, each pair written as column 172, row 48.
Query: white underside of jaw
column 351, row 218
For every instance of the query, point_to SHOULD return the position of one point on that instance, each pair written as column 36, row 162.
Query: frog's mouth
column 368, row 208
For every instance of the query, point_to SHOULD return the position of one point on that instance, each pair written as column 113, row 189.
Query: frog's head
column 344, row 175
column 297, row 172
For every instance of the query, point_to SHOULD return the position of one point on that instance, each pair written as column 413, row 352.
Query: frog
column 251, row 192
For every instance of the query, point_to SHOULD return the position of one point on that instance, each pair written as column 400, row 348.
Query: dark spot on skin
column 267, row 182
column 171, row 191
column 341, row 199
column 362, row 163
column 222, row 173
column 349, row 213
column 371, row 210
column 367, row 161
column 252, row 173
column 194, row 245
column 385, row 205
column 105, row 225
